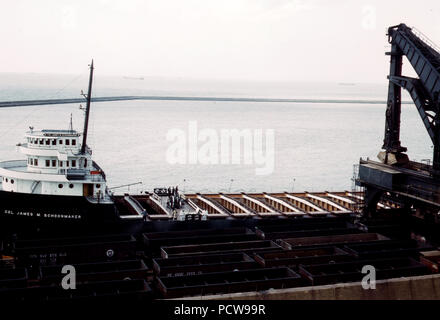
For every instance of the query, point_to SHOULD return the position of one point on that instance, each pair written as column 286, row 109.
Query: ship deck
column 151, row 206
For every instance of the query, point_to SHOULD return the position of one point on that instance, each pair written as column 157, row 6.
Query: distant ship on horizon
column 133, row 78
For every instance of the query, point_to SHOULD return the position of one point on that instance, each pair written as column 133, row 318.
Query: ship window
column 54, row 142
column 41, row 141
column 71, row 186
column 60, row 186
column 60, row 141
column 74, row 142
column 67, row 142
column 47, row 163
column 54, row 163
column 31, row 161
column 73, row 162
column 35, row 162
column 85, row 163
column 6, row 179
column 47, row 142
column 12, row 181
column 98, row 186
column 61, row 164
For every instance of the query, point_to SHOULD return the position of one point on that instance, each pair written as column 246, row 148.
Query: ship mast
column 86, row 118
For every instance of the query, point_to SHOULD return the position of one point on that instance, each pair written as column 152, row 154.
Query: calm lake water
column 316, row 144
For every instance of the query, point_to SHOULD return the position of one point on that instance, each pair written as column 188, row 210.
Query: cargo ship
column 59, row 182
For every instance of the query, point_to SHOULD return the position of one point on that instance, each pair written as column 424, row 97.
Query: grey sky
column 223, row 39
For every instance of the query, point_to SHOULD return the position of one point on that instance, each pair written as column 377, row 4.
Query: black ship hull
column 36, row 209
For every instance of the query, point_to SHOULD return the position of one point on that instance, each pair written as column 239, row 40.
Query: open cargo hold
column 334, row 240
column 263, row 230
column 293, row 258
column 155, row 240
column 104, row 271
column 322, row 274
column 191, row 265
column 385, row 248
column 307, row 233
column 225, row 282
column 219, row 248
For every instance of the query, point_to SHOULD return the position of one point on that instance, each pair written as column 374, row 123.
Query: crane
column 409, row 184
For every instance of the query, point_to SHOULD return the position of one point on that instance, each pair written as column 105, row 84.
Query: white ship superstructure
column 54, row 165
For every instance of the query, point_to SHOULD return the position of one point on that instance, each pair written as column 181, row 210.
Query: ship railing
column 82, row 174
column 96, row 166
column 73, row 150
column 96, row 178
column 425, row 39
column 13, row 164
column 73, row 174
column 155, row 196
